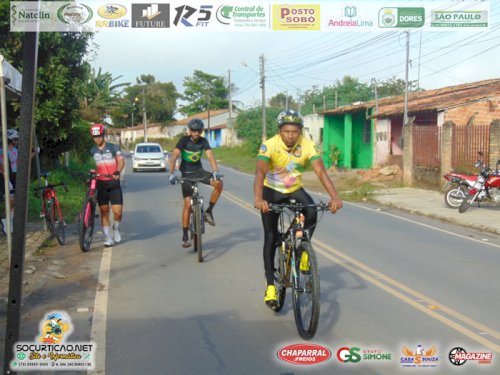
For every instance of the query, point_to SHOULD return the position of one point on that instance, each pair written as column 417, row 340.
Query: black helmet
column 196, row 124
column 290, row 118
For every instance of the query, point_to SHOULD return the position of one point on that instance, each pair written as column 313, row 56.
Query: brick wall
column 480, row 113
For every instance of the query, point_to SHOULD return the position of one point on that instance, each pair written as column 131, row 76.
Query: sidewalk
column 431, row 203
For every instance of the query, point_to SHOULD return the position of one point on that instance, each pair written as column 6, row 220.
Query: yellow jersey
column 286, row 165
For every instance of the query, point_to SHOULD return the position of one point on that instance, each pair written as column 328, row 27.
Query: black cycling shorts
column 109, row 192
column 187, row 186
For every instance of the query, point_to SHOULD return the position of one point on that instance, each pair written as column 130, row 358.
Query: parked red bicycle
column 51, row 209
column 87, row 216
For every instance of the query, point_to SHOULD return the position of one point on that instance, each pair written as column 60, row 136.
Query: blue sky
column 296, row 61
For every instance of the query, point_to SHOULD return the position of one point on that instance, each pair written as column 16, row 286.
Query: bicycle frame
column 296, row 259
column 51, row 209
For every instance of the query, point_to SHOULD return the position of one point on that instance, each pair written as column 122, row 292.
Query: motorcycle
column 459, row 184
column 486, row 187
column 457, row 188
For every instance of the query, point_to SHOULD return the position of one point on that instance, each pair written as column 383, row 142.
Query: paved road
column 389, row 279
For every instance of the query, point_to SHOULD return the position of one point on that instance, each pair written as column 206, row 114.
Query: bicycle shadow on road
column 332, row 280
column 216, row 247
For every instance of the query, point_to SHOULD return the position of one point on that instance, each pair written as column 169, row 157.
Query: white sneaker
column 117, row 235
column 109, row 242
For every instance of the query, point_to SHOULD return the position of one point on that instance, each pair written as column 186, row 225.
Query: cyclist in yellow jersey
column 278, row 177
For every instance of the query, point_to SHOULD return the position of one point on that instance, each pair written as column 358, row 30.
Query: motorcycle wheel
column 464, row 206
column 454, row 196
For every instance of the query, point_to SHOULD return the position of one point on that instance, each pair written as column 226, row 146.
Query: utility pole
column 335, row 98
column 374, row 83
column 144, row 119
column 208, row 116
column 230, row 100
column 324, row 102
column 286, row 100
column 298, row 100
column 405, row 115
column 263, row 87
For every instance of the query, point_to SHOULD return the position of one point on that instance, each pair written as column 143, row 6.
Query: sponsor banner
column 420, row 357
column 459, row 18
column 459, row 356
column 51, row 351
column 300, row 17
column 245, row 15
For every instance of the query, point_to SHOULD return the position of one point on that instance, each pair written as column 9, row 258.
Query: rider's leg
column 185, row 221
column 217, row 185
column 106, row 224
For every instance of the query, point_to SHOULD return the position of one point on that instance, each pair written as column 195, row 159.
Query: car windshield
column 152, row 148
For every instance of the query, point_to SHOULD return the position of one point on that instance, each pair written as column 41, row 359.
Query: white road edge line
column 99, row 317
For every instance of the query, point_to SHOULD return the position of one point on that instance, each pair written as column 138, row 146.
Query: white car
column 149, row 156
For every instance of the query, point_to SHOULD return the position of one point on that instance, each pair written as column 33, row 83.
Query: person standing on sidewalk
column 12, row 139
column 109, row 161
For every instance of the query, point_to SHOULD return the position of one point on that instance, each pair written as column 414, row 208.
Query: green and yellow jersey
column 286, row 165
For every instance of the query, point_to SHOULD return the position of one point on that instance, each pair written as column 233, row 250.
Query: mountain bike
column 87, row 214
column 51, row 209
column 296, row 266
column 197, row 219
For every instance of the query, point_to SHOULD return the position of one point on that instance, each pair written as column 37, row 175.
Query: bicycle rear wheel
column 280, row 276
column 197, row 231
column 59, row 225
column 306, row 291
column 86, row 227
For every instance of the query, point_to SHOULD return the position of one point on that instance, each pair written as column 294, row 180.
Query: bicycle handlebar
column 279, row 207
column 50, row 186
column 196, row 179
column 81, row 174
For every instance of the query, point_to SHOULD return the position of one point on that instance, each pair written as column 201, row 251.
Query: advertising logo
column 150, row 15
column 75, row 14
column 249, row 16
column 376, row 355
column 21, row 14
column 351, row 19
column 52, row 351
column 420, row 358
column 112, row 13
column 189, row 16
column 304, row 354
column 401, row 17
column 459, row 18
column 296, row 17
column 459, row 356
column 346, row 354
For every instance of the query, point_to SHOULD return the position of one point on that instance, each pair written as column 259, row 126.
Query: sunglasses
column 197, row 130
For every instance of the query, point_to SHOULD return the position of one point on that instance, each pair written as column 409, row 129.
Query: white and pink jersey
column 106, row 159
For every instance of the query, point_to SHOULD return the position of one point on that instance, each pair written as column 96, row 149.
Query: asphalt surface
column 429, row 203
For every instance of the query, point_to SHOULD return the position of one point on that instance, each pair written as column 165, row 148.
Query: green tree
column 249, row 126
column 99, row 95
column 204, row 91
column 394, row 86
column 280, row 101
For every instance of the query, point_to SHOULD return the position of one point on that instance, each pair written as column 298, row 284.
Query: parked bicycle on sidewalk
column 51, row 209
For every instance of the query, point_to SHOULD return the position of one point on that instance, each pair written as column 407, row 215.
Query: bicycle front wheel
column 280, row 275
column 306, row 291
column 59, row 225
column 197, row 232
column 86, row 227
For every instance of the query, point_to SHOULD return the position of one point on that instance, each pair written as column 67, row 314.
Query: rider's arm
column 173, row 158
column 319, row 169
column 211, row 159
column 258, row 185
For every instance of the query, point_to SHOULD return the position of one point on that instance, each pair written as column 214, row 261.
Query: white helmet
column 12, row 134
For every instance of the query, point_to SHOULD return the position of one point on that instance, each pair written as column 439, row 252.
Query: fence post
column 446, row 146
column 494, row 142
column 408, row 154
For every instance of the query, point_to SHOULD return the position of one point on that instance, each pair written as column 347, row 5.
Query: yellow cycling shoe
column 270, row 297
column 304, row 262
